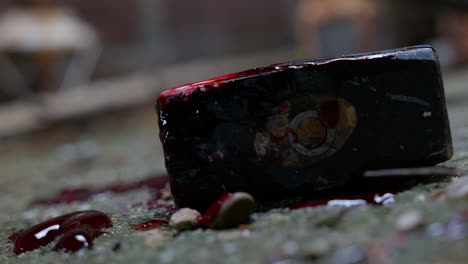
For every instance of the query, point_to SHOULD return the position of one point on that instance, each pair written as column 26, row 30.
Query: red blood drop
column 46, row 232
column 150, row 225
column 78, row 238
column 209, row 217
column 38, row 235
column 94, row 219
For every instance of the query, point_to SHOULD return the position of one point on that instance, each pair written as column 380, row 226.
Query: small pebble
column 185, row 219
column 235, row 211
column 409, row 220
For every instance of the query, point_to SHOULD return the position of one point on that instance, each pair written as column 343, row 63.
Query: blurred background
column 79, row 79
column 70, row 59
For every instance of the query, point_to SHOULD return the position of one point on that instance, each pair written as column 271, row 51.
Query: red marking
column 66, row 196
column 209, row 217
column 46, row 232
column 330, row 113
column 150, row 225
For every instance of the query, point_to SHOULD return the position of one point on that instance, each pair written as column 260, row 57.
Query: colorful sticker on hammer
column 305, row 130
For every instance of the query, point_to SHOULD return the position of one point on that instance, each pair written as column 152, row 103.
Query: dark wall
column 220, row 27
column 115, row 20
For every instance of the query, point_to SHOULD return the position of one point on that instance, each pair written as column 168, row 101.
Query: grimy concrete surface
column 426, row 224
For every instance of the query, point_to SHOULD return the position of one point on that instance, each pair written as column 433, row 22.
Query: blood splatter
column 66, row 196
column 87, row 223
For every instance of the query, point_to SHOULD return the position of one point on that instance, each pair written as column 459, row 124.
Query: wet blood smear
column 87, row 223
column 150, row 225
column 190, row 88
column 384, row 198
column 208, row 218
column 66, row 196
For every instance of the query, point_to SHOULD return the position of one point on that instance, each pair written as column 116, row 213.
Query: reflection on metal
column 305, row 130
column 48, row 46
column 414, row 172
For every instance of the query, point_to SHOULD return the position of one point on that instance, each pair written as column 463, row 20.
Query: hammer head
column 293, row 128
